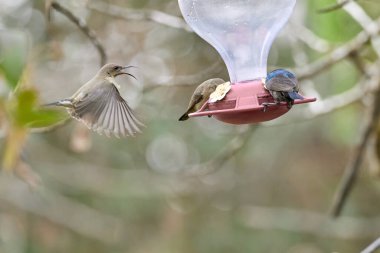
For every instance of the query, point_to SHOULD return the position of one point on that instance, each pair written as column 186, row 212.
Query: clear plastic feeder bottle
column 242, row 31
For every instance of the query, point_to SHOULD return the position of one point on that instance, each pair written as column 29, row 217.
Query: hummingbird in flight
column 99, row 105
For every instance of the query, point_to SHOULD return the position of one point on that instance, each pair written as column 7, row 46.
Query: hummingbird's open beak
column 126, row 73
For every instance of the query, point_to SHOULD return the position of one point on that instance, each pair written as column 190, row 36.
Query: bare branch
column 84, row 28
column 202, row 75
column 230, row 150
column 63, row 211
column 307, row 222
column 358, row 63
column 335, row 6
column 140, row 15
column 309, row 38
column 368, row 84
column 339, row 53
column 191, row 79
column 334, row 103
column 353, row 166
column 370, row 126
column 365, row 21
column 373, row 247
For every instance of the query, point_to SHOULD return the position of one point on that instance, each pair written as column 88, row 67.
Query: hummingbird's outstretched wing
column 105, row 111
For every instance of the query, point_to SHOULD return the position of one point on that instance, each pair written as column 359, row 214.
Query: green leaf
column 22, row 111
column 13, row 53
column 46, row 118
column 328, row 25
column 26, row 113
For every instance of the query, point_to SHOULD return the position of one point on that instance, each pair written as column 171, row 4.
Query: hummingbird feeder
column 242, row 31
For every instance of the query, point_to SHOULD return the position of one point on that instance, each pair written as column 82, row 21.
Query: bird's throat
column 113, row 81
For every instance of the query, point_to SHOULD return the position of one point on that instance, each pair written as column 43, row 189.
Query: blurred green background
column 194, row 187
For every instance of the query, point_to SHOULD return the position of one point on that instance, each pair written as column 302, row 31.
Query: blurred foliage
column 11, row 67
column 139, row 194
column 12, row 57
column 25, row 112
column 20, row 109
column 13, row 147
column 330, row 25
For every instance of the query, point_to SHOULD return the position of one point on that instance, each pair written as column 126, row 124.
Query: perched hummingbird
column 201, row 95
column 283, row 86
column 100, row 107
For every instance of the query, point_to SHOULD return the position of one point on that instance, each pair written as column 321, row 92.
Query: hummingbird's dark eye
column 116, row 68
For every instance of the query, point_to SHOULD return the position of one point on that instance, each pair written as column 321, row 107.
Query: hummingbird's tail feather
column 51, row 104
column 63, row 102
column 294, row 95
column 184, row 117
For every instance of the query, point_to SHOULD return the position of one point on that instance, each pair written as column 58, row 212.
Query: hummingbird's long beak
column 129, row 66
column 126, row 73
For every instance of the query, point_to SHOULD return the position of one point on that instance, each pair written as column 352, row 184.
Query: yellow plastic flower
column 220, row 92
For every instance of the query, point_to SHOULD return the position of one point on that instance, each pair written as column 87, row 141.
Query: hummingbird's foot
column 266, row 105
column 290, row 105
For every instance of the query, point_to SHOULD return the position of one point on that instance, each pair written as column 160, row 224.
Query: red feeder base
column 244, row 105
